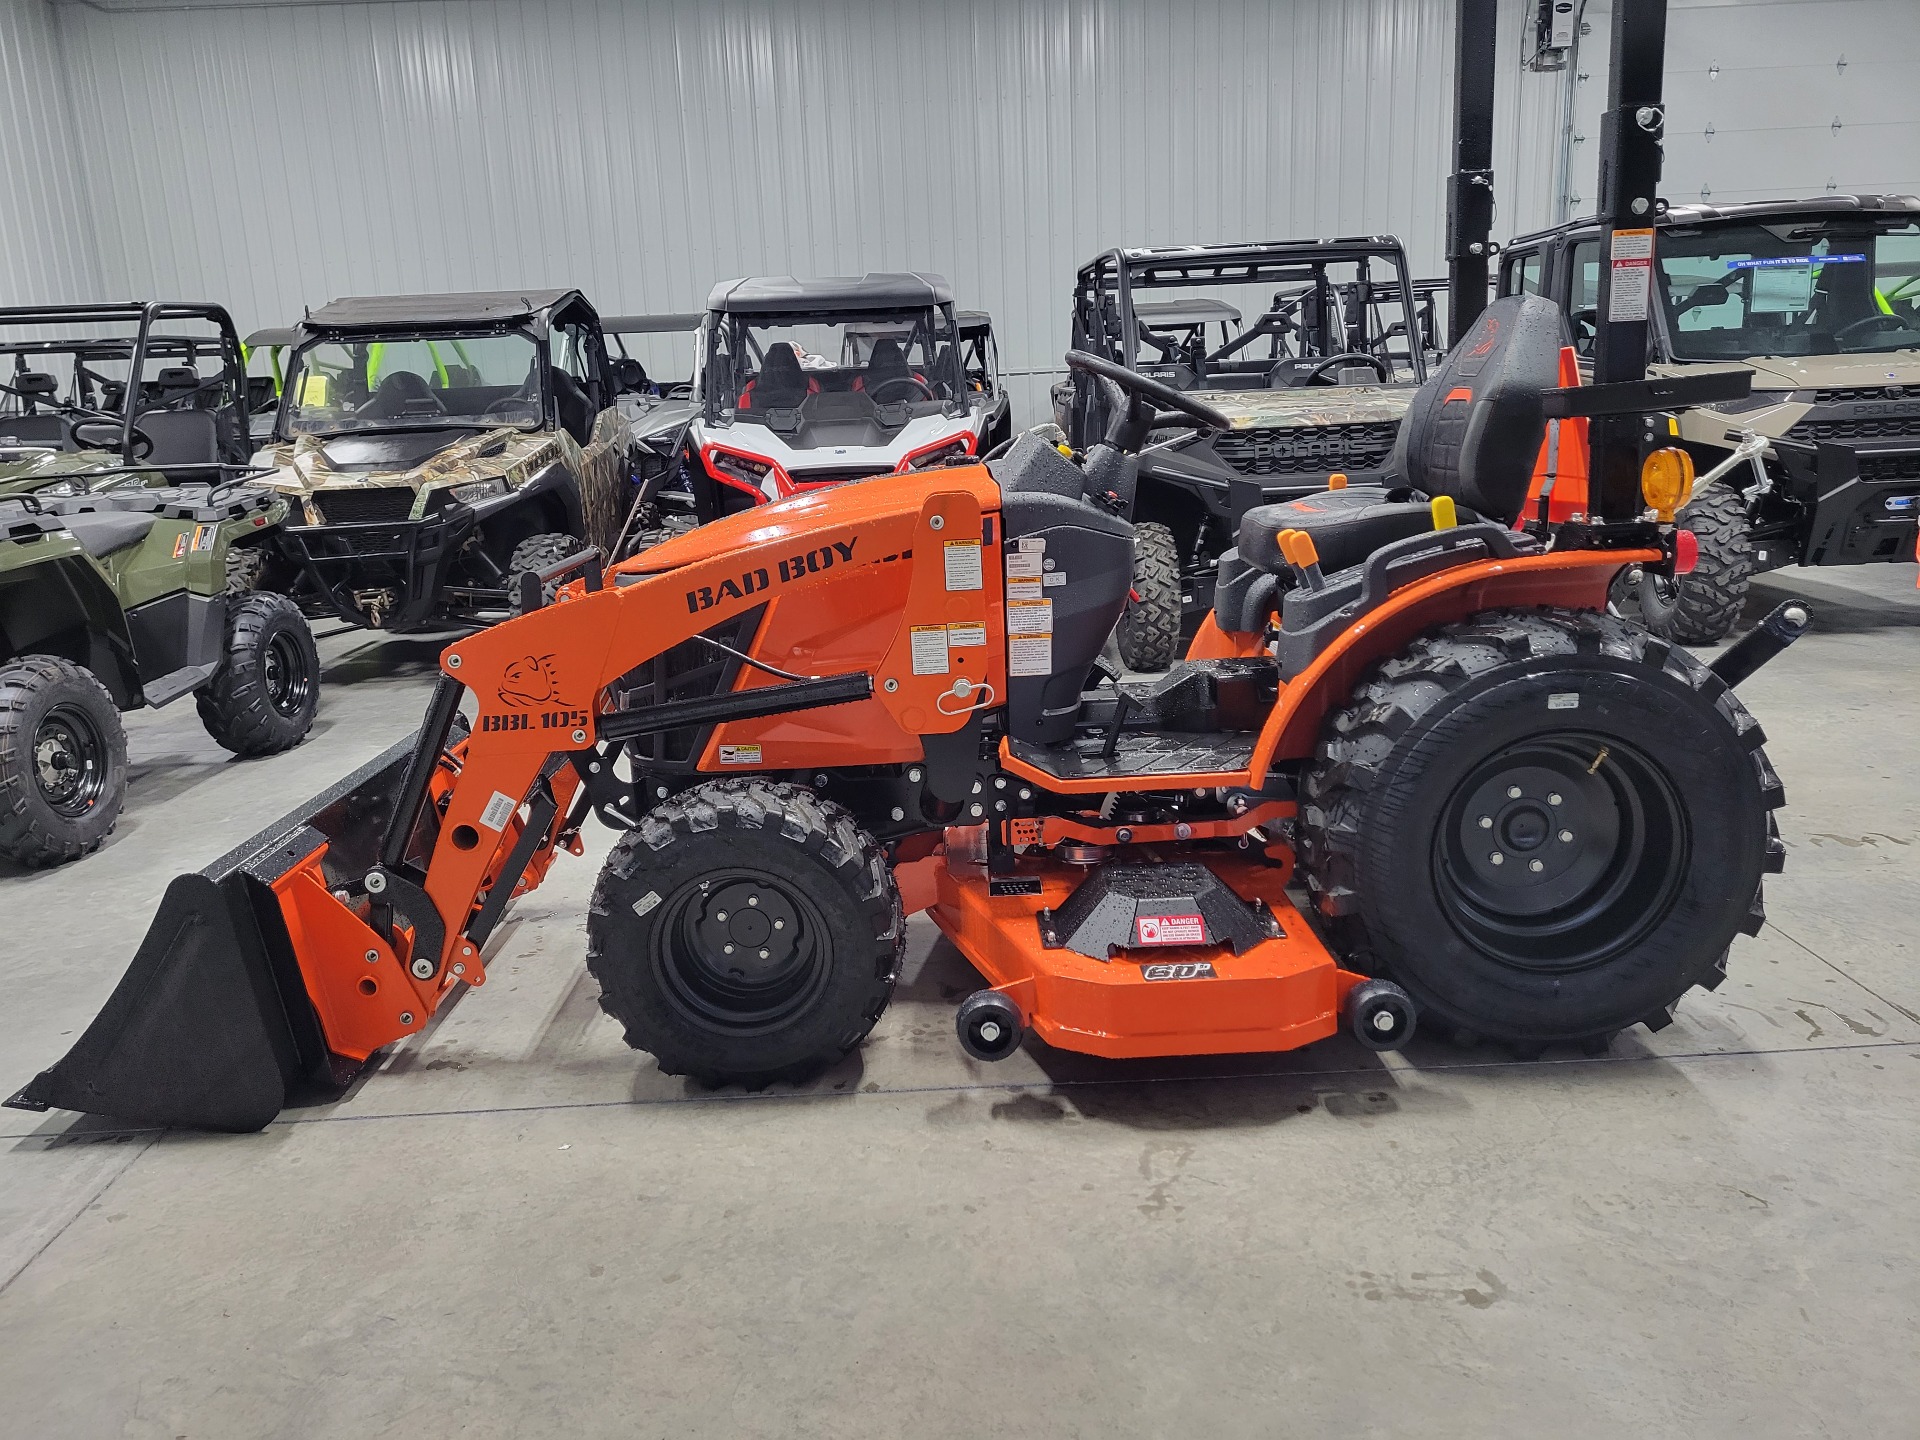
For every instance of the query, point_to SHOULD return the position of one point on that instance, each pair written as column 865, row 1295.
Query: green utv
column 1820, row 464
column 438, row 450
column 130, row 540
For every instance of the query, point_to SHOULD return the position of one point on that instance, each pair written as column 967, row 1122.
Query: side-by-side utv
column 817, row 718
column 1820, row 463
column 1311, row 349
column 438, row 448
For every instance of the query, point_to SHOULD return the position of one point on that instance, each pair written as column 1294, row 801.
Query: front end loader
column 1410, row 773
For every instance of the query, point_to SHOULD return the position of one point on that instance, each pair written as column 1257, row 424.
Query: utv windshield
column 338, row 387
column 1845, row 286
column 882, row 365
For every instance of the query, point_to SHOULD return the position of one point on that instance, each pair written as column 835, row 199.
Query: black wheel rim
column 285, row 675
column 69, row 761
column 741, row 952
column 1560, row 853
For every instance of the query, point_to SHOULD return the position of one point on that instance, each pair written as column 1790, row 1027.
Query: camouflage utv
column 1820, row 465
column 1312, row 347
column 439, row 448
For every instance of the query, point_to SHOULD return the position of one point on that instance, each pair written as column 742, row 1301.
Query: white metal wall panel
column 1769, row 79
column 46, row 231
column 274, row 156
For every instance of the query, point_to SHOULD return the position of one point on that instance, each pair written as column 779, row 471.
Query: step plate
column 1154, row 1001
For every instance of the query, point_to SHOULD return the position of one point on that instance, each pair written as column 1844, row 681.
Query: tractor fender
column 1572, row 579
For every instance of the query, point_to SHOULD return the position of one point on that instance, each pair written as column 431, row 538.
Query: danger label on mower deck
column 1170, row 930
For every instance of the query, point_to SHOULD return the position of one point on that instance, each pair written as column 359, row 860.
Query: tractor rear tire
column 745, row 932
column 1699, row 608
column 536, row 553
column 63, row 761
column 1149, row 628
column 1545, row 825
column 263, row 698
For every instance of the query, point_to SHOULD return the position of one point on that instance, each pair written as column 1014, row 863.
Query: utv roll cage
column 618, row 327
column 1313, row 316
column 109, row 401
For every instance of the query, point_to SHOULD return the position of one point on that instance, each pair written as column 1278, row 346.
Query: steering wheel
column 1871, row 324
column 140, row 448
column 1318, row 374
column 875, row 394
column 1203, row 415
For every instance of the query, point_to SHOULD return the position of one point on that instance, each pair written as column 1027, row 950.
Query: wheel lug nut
column 1497, row 858
column 1553, row 798
column 726, row 949
column 763, row 954
column 1536, row 866
column 1513, row 792
column 753, row 899
column 1486, row 822
column 1566, row 837
column 779, row 924
column 721, row 917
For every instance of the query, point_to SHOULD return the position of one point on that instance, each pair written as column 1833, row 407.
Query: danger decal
column 1170, row 930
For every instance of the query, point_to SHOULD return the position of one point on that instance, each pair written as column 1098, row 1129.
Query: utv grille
column 362, row 507
column 1890, row 467
column 1858, row 393
column 1872, row 427
column 1297, row 450
column 691, row 670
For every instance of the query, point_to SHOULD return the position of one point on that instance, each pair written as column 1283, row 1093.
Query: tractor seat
column 101, row 532
column 1471, row 433
column 1346, row 525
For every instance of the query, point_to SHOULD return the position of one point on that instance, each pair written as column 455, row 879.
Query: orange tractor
column 1513, row 814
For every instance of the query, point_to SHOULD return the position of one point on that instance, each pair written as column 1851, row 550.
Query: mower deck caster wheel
column 991, row 1026
column 1381, row 1014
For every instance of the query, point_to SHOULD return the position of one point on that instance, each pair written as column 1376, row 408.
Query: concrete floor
column 517, row 1227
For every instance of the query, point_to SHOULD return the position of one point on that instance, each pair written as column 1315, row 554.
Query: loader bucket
column 211, row 1027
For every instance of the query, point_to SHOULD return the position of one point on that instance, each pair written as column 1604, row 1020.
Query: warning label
column 963, row 565
column 739, row 754
column 1632, row 277
column 1029, row 617
column 966, row 632
column 1024, row 588
column 929, row 649
column 1170, row 929
column 1030, row 655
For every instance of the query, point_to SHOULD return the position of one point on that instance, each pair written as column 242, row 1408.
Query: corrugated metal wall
column 1774, row 97
column 276, row 155
column 46, row 227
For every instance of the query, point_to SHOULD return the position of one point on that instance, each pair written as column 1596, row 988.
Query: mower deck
column 1168, row 999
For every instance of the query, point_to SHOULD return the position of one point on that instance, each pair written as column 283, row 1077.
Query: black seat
column 887, row 364
column 1472, row 433
column 572, row 404
column 182, row 439
column 32, row 429
column 781, row 383
column 101, row 532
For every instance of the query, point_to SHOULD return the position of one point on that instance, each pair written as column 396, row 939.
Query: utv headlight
column 476, row 490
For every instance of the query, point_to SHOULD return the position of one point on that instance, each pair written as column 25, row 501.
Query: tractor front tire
column 63, row 761
column 746, row 932
column 263, row 698
column 1699, row 608
column 534, row 554
column 1149, row 628
column 1545, row 825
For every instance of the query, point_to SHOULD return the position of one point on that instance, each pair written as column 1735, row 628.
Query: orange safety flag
column 1569, row 495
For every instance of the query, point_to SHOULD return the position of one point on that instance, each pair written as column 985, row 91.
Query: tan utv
column 440, row 449
column 1820, row 465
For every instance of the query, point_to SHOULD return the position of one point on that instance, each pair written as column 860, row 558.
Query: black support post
column 1630, row 135
column 1470, row 190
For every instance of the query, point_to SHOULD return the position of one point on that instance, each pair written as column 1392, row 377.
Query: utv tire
column 1699, row 608
column 63, row 761
column 1149, row 628
column 536, row 553
column 1621, row 785
column 264, row 696
column 746, row 932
